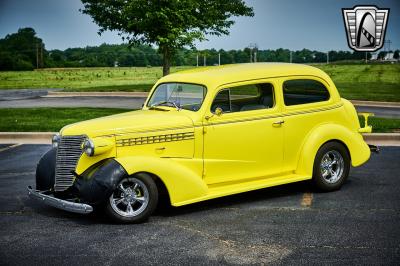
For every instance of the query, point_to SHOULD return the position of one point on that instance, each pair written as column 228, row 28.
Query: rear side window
column 303, row 91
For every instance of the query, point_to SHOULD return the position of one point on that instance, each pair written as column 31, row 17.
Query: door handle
column 278, row 123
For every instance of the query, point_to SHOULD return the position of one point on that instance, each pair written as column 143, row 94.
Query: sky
column 294, row 25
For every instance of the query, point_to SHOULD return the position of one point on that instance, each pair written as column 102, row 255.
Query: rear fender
column 358, row 149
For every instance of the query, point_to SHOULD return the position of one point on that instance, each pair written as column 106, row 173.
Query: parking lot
column 290, row 224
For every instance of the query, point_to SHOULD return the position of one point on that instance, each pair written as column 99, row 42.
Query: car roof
column 215, row 76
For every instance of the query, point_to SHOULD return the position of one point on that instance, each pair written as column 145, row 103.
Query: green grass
column 48, row 119
column 377, row 82
column 32, row 119
column 85, row 79
column 382, row 125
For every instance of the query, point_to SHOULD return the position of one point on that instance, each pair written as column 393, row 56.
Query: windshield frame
column 205, row 91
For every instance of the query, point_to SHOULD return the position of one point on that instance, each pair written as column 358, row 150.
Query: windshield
column 181, row 95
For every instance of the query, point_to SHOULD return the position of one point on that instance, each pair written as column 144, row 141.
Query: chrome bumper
column 59, row 203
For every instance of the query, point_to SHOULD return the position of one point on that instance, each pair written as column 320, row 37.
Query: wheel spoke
column 129, row 209
column 326, row 159
column 140, row 199
column 324, row 173
column 121, row 187
column 118, row 201
column 332, row 173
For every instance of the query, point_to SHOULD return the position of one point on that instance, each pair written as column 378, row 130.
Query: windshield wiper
column 154, row 106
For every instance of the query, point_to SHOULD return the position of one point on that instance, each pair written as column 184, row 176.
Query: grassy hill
column 366, row 82
column 379, row 82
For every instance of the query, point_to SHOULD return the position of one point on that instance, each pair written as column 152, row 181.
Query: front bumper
column 59, row 203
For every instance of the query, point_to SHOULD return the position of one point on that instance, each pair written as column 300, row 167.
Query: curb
column 26, row 137
column 376, row 104
column 382, row 139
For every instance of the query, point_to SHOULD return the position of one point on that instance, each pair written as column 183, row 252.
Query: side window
column 302, row 91
column 244, row 98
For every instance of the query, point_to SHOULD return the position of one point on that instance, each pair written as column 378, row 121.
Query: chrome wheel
column 130, row 198
column 332, row 166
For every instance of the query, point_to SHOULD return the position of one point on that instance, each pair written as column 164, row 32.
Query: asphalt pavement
column 290, row 224
column 136, row 103
column 26, row 98
column 70, row 102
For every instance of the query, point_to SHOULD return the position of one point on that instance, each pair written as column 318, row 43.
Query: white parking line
column 10, row 147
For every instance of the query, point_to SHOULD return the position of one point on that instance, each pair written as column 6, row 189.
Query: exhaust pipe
column 373, row 148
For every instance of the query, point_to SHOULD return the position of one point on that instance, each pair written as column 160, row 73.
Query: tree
column 169, row 24
column 381, row 55
column 18, row 50
column 396, row 54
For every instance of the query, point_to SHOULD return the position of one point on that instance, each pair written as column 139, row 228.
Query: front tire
column 45, row 171
column 331, row 166
column 134, row 199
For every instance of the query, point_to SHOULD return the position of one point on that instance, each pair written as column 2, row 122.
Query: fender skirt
column 98, row 182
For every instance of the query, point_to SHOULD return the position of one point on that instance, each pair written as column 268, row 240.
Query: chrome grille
column 68, row 153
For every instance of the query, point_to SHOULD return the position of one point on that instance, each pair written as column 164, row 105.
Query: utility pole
column 197, row 60
column 388, row 42
column 290, row 56
column 327, row 57
column 204, row 60
column 219, row 59
column 41, row 56
column 366, row 57
column 37, row 55
column 253, row 49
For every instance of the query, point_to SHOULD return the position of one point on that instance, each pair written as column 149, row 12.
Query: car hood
column 130, row 122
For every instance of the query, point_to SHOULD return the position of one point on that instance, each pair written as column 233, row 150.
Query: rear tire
column 331, row 166
column 134, row 199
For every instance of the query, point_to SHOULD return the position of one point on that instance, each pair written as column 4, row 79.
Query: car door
column 306, row 104
column 246, row 140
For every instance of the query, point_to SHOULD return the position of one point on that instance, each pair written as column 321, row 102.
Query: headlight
column 88, row 147
column 56, row 140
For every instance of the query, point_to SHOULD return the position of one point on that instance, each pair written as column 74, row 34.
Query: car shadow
column 252, row 197
column 164, row 210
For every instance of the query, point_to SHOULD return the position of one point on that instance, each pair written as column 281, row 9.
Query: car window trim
column 315, row 78
column 180, row 82
column 245, row 81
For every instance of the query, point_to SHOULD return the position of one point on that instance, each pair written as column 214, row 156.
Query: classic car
column 206, row 133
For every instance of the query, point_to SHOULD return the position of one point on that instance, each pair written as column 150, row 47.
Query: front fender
column 98, row 182
column 358, row 149
column 182, row 183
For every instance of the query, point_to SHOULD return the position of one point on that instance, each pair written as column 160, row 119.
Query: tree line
column 25, row 51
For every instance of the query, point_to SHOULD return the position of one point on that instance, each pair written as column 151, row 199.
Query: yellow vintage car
column 206, row 133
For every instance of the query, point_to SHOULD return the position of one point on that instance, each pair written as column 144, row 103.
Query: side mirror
column 218, row 111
